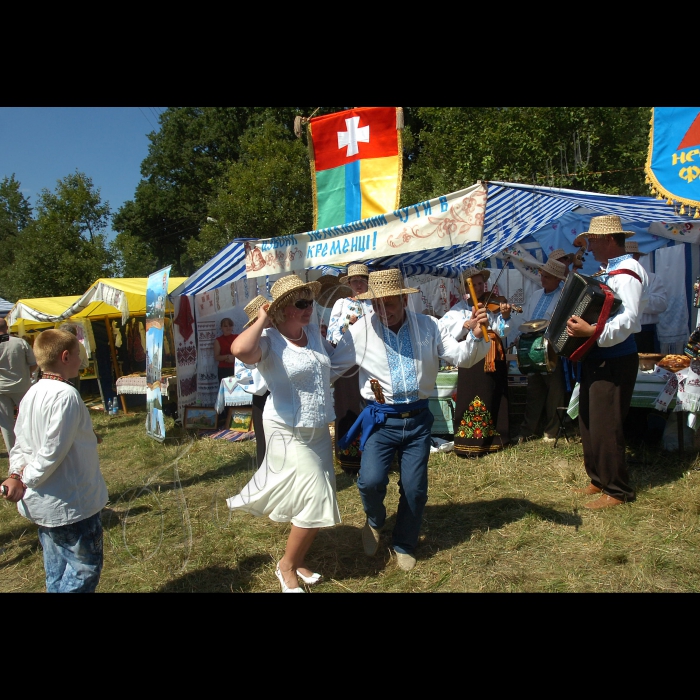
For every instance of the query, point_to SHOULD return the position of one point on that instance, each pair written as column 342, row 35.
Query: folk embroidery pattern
column 477, row 421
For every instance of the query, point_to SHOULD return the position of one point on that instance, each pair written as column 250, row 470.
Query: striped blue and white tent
column 514, row 213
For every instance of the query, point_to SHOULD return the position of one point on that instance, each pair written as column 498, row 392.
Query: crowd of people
column 371, row 373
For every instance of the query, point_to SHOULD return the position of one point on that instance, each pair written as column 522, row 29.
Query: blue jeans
column 73, row 555
column 410, row 438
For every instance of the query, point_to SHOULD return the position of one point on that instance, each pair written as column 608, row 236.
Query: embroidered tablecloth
column 136, row 384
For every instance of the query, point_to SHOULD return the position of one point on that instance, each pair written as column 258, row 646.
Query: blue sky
column 41, row 145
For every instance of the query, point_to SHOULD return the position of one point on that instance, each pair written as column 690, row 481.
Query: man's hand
column 505, row 310
column 578, row 328
column 353, row 319
column 481, row 318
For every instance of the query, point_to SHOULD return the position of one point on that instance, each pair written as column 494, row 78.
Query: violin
column 494, row 304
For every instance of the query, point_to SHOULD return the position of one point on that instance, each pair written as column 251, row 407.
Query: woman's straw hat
column 252, row 308
column 554, row 267
column 473, row 271
column 560, row 253
column 357, row 270
column 286, row 286
column 633, row 247
column 386, row 283
column 605, row 226
column 331, row 290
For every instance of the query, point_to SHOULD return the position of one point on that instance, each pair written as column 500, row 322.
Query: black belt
column 407, row 414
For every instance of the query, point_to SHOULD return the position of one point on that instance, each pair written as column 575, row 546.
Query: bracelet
column 18, row 478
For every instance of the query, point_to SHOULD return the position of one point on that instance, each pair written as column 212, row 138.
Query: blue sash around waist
column 374, row 415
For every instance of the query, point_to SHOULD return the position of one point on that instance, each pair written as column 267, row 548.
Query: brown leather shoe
column 590, row 490
column 604, row 501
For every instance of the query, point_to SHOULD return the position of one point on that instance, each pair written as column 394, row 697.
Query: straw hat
column 554, row 267
column 357, row 270
column 633, row 247
column 285, row 286
column 331, row 291
column 386, row 283
column 605, row 226
column 252, row 308
column 473, row 271
column 558, row 254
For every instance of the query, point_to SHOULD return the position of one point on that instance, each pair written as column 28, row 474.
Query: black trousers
column 258, row 407
column 604, row 401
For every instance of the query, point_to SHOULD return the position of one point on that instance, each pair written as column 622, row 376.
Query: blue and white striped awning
column 228, row 265
column 513, row 212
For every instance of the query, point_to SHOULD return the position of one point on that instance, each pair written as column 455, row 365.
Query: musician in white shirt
column 398, row 354
column 545, row 391
column 609, row 370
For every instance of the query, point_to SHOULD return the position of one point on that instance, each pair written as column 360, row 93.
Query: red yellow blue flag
column 356, row 164
column 673, row 163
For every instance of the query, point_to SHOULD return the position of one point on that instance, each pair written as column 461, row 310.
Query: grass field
column 504, row 523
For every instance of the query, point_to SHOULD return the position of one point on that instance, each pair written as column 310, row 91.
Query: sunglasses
column 303, row 304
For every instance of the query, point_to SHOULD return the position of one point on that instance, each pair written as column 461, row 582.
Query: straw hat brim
column 329, row 295
column 281, row 300
column 376, row 294
column 484, row 273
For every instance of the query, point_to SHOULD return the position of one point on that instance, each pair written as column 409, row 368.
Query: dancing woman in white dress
column 296, row 481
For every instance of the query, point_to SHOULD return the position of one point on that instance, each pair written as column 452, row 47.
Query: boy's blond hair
column 49, row 346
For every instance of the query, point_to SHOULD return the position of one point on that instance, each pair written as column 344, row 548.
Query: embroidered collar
column 52, row 375
column 614, row 263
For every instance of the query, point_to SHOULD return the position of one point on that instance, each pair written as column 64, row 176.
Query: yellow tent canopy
column 114, row 297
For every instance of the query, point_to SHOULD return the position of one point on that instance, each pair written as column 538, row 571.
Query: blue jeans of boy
column 410, row 438
column 73, row 556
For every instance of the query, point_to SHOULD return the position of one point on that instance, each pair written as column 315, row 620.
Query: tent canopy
column 513, row 212
column 123, row 297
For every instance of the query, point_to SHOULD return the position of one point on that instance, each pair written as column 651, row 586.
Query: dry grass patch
column 507, row 522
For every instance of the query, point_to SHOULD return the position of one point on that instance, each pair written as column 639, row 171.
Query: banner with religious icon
column 356, row 164
column 673, row 163
column 448, row 220
column 156, row 296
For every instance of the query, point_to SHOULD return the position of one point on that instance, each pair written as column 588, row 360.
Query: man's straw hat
column 357, row 270
column 286, row 286
column 633, row 247
column 473, row 271
column 251, row 309
column 386, row 283
column 605, row 226
column 331, row 290
column 558, row 254
column 554, row 267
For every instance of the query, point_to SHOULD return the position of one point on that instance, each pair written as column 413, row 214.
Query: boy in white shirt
column 55, row 476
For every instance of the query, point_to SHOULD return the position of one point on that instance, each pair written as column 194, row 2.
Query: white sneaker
column 405, row 561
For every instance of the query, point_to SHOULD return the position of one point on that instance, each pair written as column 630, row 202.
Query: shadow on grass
column 652, row 467
column 219, row 579
column 27, row 549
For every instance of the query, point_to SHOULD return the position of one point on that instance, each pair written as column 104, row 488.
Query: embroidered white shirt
column 298, row 379
column 343, row 309
column 405, row 363
column 453, row 321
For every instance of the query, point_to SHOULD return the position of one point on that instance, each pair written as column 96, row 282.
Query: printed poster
column 156, row 296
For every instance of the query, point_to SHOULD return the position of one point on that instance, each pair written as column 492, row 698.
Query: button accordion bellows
column 581, row 296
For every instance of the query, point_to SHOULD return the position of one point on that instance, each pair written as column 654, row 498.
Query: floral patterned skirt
column 481, row 410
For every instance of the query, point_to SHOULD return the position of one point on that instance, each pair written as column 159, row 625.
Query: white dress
column 296, row 481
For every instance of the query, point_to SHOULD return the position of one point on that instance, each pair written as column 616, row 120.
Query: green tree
column 15, row 216
column 265, row 193
column 599, row 149
column 62, row 251
column 188, row 161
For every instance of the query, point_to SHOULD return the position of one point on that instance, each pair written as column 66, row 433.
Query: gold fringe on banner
column 652, row 180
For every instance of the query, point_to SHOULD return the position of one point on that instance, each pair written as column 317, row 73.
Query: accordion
column 581, row 296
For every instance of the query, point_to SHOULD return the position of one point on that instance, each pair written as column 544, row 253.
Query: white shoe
column 370, row 539
column 309, row 580
column 405, row 561
column 285, row 587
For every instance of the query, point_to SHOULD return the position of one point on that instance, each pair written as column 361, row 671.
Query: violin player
column 481, row 411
